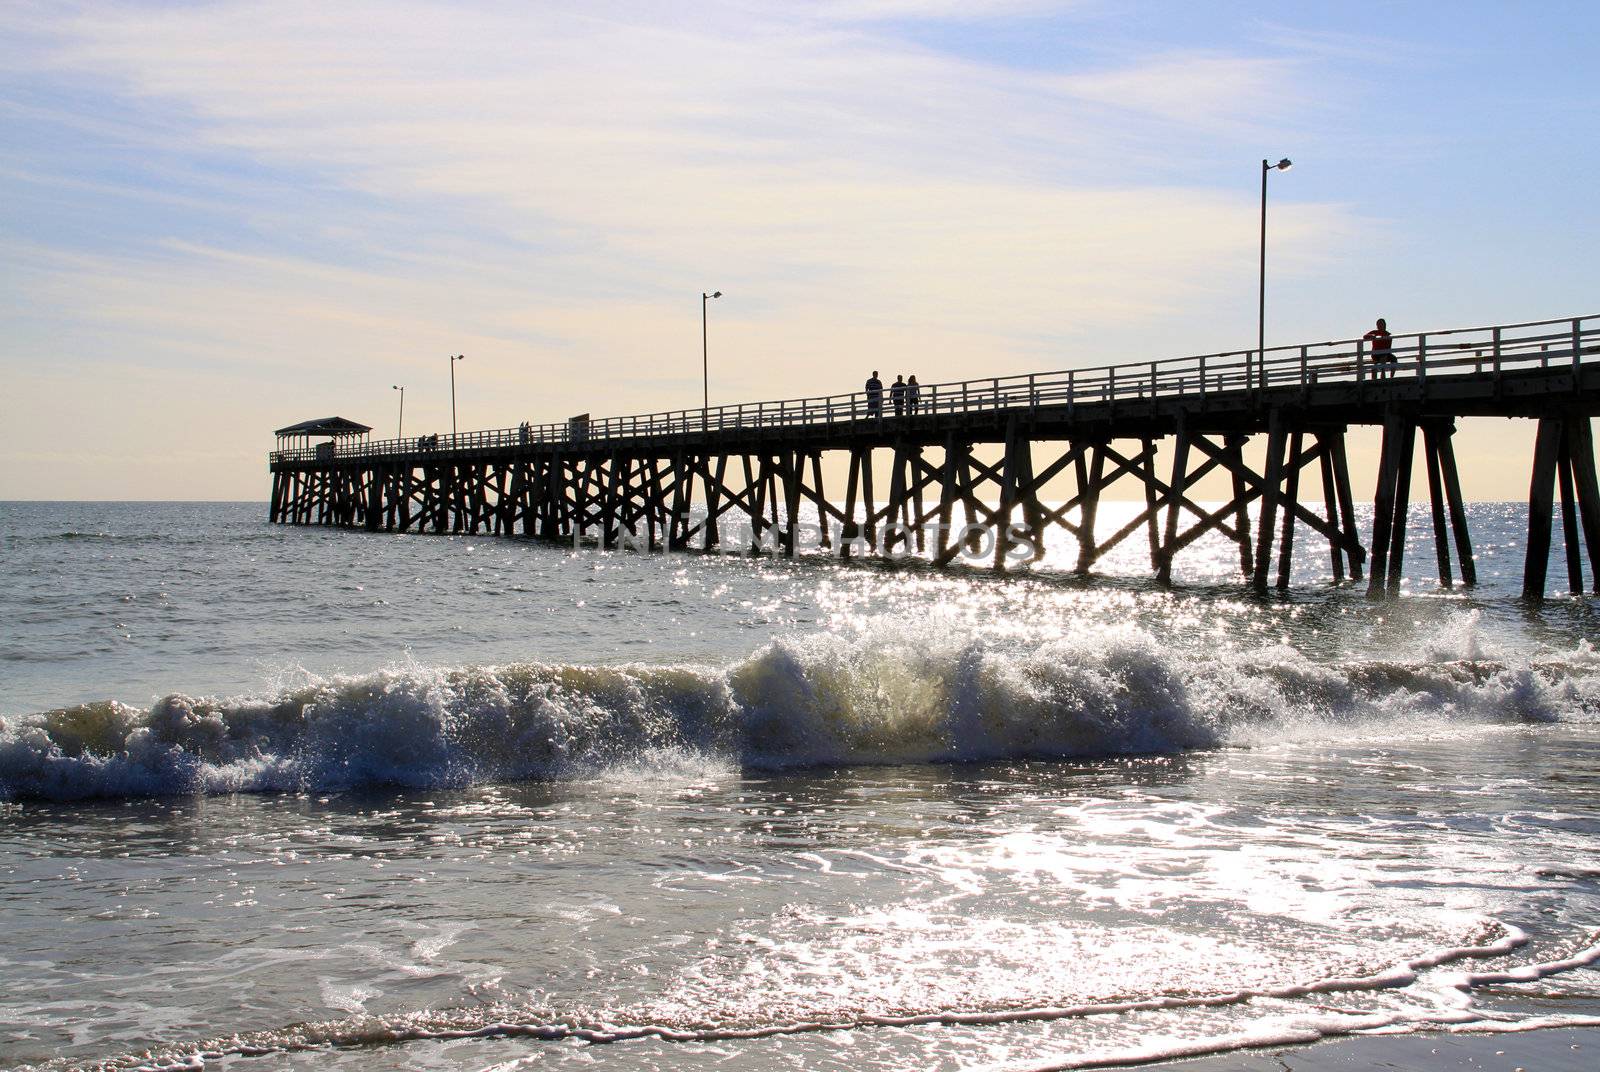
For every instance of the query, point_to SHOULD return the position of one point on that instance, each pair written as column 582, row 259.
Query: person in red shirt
column 1382, row 349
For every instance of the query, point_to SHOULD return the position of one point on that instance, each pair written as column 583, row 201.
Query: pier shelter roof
column 337, row 427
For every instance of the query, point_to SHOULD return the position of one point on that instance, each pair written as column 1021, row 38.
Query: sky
column 221, row 218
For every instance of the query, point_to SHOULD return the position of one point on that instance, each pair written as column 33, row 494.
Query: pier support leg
column 868, row 503
column 1445, row 443
column 820, row 500
column 1007, row 495
column 1028, row 500
column 553, row 490
column 582, row 470
column 395, row 489
column 894, row 531
column 1569, row 520
column 851, row 487
column 755, row 487
column 457, row 498
column 1355, row 556
column 533, row 504
column 715, row 487
column 1233, row 451
column 1089, row 492
column 1402, row 499
column 792, row 461
column 1541, row 494
column 1152, row 506
column 682, row 496
column 918, row 515
column 1330, row 502
column 1179, row 484
column 1580, row 447
column 1383, row 506
column 1277, row 441
column 1291, row 499
column 374, row 517
column 772, row 465
column 1441, row 537
column 611, row 492
column 948, row 492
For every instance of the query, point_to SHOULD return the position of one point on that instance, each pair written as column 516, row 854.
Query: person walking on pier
column 897, row 394
column 874, row 395
column 913, row 394
column 1383, row 362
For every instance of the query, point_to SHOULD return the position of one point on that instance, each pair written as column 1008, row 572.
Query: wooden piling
column 1580, row 448
column 1291, row 498
column 1436, row 500
column 1541, row 494
column 1402, row 499
column 1569, row 520
column 1383, row 504
column 1277, row 441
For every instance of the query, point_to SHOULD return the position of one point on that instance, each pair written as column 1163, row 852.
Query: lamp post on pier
column 400, row 432
column 1261, row 306
column 453, row 360
column 705, row 358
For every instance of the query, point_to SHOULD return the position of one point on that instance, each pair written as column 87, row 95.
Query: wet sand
column 1552, row 1050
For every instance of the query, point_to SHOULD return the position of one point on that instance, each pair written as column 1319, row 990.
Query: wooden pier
column 681, row 480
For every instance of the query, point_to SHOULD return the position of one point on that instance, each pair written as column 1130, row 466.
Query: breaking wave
column 897, row 696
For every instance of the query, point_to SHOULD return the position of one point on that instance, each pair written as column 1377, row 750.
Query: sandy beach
column 1552, row 1050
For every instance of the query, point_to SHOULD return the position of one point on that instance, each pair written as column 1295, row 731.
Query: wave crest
column 891, row 696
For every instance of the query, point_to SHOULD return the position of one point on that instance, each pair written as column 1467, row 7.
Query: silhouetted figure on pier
column 913, row 394
column 897, row 394
column 874, row 395
column 1382, row 345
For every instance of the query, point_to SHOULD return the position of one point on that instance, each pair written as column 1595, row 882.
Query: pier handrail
column 1420, row 357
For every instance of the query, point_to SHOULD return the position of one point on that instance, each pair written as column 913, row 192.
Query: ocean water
column 299, row 798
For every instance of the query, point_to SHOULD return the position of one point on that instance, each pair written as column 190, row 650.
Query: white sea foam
column 888, row 695
column 1291, row 1026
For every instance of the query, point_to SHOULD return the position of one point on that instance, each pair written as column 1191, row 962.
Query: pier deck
column 668, row 479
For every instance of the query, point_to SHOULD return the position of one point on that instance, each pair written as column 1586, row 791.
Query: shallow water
column 466, row 803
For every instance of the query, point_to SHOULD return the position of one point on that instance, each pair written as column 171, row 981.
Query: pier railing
column 1423, row 358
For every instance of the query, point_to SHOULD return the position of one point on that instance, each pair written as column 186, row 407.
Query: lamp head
column 713, row 294
column 1284, row 165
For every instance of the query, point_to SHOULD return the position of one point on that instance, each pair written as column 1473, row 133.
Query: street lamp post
column 453, row 360
column 705, row 358
column 400, row 432
column 1261, row 305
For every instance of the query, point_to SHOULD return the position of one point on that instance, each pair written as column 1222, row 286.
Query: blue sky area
column 220, row 218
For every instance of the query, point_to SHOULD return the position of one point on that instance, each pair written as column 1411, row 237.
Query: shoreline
column 1545, row 1049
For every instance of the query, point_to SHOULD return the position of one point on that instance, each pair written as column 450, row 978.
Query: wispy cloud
column 959, row 10
column 1195, row 88
column 551, row 187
